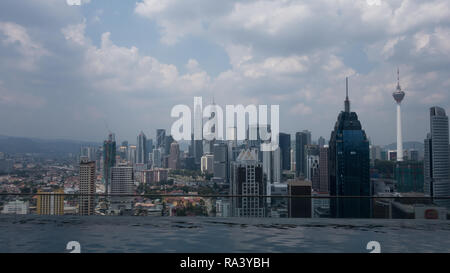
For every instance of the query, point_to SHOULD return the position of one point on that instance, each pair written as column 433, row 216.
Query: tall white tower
column 398, row 97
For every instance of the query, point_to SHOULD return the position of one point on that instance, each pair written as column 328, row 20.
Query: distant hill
column 407, row 145
column 13, row 145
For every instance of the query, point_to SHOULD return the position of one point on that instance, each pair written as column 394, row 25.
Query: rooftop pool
column 95, row 234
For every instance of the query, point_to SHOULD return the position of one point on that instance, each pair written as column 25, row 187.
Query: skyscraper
column 197, row 136
column 174, row 156
column 301, row 140
column 211, row 137
column 285, row 149
column 271, row 169
column 247, row 179
column 87, row 187
column 321, row 142
column 207, row 164
column 221, row 161
column 141, row 149
column 157, row 158
column 131, row 155
column 312, row 165
column 160, row 135
column 436, row 158
column 197, row 148
column 293, row 163
column 398, row 97
column 149, row 147
column 349, row 166
column 109, row 159
column 323, row 170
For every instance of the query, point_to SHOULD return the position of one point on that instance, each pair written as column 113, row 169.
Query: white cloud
column 115, row 68
column 295, row 53
column 17, row 36
column 77, row 2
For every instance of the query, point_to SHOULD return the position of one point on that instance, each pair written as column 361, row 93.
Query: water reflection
column 201, row 234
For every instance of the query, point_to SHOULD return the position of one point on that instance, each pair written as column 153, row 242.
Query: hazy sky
column 71, row 71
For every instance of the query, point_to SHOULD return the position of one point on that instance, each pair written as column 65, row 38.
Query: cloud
column 114, row 68
column 17, row 36
column 293, row 53
column 77, row 2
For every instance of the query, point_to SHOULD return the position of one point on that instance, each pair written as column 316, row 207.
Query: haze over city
column 73, row 72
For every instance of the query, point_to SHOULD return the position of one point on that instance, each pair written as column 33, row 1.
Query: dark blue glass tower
column 109, row 160
column 285, row 147
column 349, row 167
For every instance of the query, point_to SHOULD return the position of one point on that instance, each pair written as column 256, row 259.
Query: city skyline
column 75, row 72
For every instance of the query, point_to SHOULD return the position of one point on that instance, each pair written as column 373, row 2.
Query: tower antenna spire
column 346, row 87
column 347, row 101
column 398, row 97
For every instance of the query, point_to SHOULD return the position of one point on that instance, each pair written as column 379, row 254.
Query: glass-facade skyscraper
column 349, row 167
column 160, row 135
column 436, row 157
column 301, row 140
column 285, row 147
column 109, row 160
column 141, row 149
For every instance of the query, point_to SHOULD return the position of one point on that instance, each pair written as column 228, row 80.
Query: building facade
column 349, row 167
column 86, row 204
column 436, row 158
column 301, row 140
column 50, row 202
column 299, row 207
column 248, row 180
column 109, row 160
column 285, row 149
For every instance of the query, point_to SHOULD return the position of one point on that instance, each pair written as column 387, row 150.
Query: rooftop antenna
column 398, row 79
column 347, row 101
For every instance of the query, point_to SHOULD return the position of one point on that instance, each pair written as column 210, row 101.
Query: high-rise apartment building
column 122, row 181
column 86, row 204
column 50, row 202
